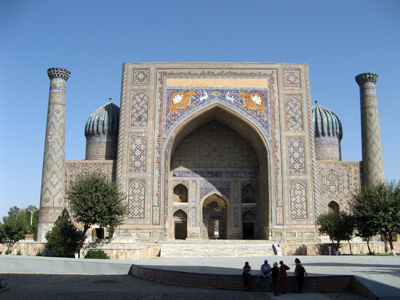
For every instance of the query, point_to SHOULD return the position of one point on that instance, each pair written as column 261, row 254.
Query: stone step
column 218, row 241
column 217, row 248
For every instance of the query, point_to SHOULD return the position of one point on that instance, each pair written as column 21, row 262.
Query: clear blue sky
column 338, row 39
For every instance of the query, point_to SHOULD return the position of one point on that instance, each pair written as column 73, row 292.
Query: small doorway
column 215, row 217
column 180, row 225
column 248, row 225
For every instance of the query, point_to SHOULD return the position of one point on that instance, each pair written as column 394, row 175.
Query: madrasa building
column 205, row 151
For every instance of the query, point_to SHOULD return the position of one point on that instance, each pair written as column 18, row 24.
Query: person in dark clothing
column 275, row 278
column 246, row 276
column 283, row 276
column 299, row 272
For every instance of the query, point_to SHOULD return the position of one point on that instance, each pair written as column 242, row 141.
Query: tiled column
column 52, row 197
column 371, row 133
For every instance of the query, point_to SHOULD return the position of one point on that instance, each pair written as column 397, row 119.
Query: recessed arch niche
column 333, row 207
column 227, row 179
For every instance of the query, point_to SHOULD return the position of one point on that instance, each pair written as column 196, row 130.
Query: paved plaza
column 107, row 287
column 381, row 274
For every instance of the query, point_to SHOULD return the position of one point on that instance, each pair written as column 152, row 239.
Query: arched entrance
column 217, row 150
column 180, row 225
column 215, row 218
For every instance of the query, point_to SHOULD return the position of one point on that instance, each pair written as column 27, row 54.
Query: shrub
column 96, row 254
column 64, row 237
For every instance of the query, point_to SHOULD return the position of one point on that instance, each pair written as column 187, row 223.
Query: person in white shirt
column 265, row 271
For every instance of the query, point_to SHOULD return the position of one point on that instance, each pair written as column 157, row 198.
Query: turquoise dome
column 326, row 123
column 104, row 121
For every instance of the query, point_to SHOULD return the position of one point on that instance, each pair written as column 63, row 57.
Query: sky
column 338, row 39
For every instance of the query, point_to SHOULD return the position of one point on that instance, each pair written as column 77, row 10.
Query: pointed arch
column 180, row 193
column 249, row 130
column 215, row 216
column 180, row 225
column 334, row 207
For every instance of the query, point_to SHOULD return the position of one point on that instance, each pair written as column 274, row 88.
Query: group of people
column 276, row 275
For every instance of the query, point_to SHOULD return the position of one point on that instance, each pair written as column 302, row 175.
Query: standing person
column 265, row 271
column 275, row 278
column 299, row 273
column 246, row 276
column 283, row 276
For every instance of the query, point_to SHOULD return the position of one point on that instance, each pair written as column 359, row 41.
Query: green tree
column 64, row 237
column 11, row 232
column 339, row 227
column 377, row 210
column 96, row 200
column 16, row 224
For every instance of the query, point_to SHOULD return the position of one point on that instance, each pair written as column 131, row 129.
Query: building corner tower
column 373, row 170
column 52, row 196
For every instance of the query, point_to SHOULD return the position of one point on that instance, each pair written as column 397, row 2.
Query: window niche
column 181, row 194
column 333, row 207
column 248, row 194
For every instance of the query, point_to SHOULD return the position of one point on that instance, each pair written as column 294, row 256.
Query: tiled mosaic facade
column 216, row 128
column 196, row 138
column 337, row 181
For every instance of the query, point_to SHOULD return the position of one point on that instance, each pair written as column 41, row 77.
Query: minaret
column 52, row 197
column 371, row 133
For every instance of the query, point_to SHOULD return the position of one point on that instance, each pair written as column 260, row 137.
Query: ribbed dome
column 104, row 121
column 326, row 123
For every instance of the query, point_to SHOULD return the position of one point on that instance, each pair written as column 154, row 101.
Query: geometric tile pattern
column 214, row 146
column 136, row 199
column 139, row 109
column 141, row 76
column 294, row 114
column 337, row 181
column 296, row 157
column 345, row 181
column 292, row 78
column 137, row 154
column 327, row 148
column 298, row 201
column 332, row 182
column 279, row 215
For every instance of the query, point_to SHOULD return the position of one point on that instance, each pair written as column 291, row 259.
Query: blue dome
column 104, row 121
column 326, row 123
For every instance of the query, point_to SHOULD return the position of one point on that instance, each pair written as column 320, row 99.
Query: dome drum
column 328, row 133
column 101, row 133
column 327, row 148
column 101, row 147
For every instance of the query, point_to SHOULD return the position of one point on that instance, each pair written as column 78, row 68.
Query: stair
column 208, row 248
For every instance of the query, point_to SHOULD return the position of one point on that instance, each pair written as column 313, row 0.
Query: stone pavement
column 379, row 273
column 122, row 287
